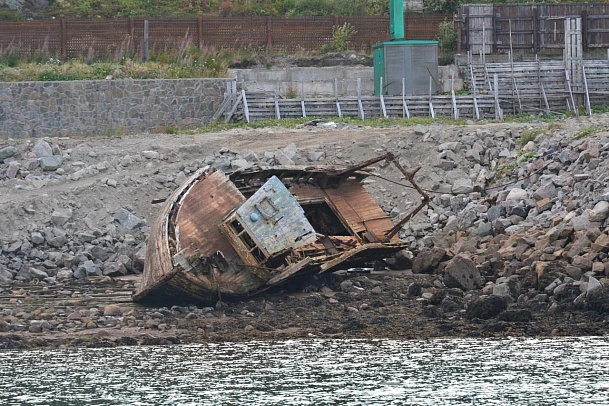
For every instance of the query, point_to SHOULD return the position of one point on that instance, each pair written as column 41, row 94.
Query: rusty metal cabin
column 223, row 236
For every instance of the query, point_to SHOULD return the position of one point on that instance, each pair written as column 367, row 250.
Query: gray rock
column 428, row 261
column 547, row 191
column 451, row 145
column 12, row 170
column 467, row 218
column 445, row 164
column 42, row 148
column 600, row 211
column 36, row 238
column 403, row 259
column 290, row 151
column 593, row 284
column 486, row 307
column 495, row 212
column 248, row 155
column 150, row 154
column 315, row 156
column 50, row 163
column 461, row 272
column 462, row 186
column 517, row 194
column 36, row 273
column 180, row 178
column 5, row 275
column 128, row 220
column 91, row 268
column 509, row 289
column 240, row 164
column 64, row 275
column 346, row 285
column 114, row 269
column 484, row 229
column 7, row 152
column 283, row 159
column 98, row 252
column 222, row 163
column 583, row 222
column 61, row 216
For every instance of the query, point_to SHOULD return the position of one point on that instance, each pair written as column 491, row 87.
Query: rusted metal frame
column 424, row 197
column 325, row 177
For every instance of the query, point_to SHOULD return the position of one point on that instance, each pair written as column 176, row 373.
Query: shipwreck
column 223, row 236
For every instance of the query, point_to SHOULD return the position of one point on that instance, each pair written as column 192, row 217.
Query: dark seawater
column 558, row 371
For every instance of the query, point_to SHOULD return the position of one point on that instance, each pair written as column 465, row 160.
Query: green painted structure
column 404, row 66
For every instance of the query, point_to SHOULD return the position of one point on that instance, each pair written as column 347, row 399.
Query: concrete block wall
column 320, row 81
column 314, row 81
column 41, row 109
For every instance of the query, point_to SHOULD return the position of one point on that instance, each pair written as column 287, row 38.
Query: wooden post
column 302, row 99
column 246, row 111
column 200, row 31
column 145, row 50
column 536, row 29
column 545, row 99
column 338, row 109
column 584, row 28
column 132, row 36
column 277, row 113
column 459, row 28
column 360, row 106
column 571, row 99
column 474, row 91
column 64, row 40
column 498, row 112
column 269, row 33
column 382, row 100
column 588, row 107
column 432, row 113
column 404, row 105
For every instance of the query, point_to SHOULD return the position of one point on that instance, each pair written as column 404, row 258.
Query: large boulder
column 486, row 307
column 428, row 261
column 461, row 272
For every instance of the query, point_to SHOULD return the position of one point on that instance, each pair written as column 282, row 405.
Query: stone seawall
column 41, row 109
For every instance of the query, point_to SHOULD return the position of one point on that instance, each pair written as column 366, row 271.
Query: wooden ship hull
column 226, row 236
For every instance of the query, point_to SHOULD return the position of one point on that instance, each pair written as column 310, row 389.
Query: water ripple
column 565, row 371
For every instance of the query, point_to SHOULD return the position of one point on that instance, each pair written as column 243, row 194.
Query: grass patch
column 529, row 135
column 173, row 61
column 586, row 132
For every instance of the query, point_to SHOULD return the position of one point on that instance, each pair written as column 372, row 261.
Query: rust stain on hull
column 223, row 236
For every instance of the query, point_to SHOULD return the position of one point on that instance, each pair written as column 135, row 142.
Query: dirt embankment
column 528, row 258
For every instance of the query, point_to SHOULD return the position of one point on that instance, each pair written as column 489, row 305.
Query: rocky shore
column 514, row 242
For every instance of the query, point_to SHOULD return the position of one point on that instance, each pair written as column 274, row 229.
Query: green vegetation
column 447, row 39
column 341, row 36
column 190, row 8
column 586, row 132
column 171, row 63
column 529, row 135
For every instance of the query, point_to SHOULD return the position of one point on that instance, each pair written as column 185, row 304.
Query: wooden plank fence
column 532, row 27
column 116, row 38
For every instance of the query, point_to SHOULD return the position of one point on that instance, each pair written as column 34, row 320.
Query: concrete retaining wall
column 314, row 81
column 320, row 81
column 41, row 109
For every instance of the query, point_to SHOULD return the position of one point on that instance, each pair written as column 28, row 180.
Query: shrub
column 447, row 40
column 341, row 36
